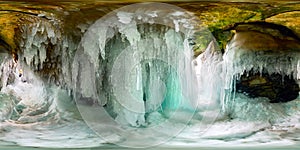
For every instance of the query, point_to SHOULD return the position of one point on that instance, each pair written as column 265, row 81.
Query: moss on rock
column 8, row 25
column 288, row 19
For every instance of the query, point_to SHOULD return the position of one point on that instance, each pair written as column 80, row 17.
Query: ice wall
column 141, row 62
column 37, row 73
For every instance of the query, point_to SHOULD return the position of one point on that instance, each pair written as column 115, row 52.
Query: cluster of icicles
column 129, row 53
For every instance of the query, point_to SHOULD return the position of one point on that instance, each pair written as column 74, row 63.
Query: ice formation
column 25, row 78
column 140, row 63
column 219, row 73
column 208, row 66
column 28, row 93
column 37, row 37
column 139, row 66
column 238, row 61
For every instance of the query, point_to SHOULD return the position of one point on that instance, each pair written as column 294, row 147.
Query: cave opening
column 276, row 87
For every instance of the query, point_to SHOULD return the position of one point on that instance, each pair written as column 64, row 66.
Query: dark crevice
column 276, row 87
column 27, row 13
column 285, row 31
column 4, row 47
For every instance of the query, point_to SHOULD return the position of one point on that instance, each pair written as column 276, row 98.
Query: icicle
column 238, row 61
column 36, row 38
column 298, row 70
column 148, row 64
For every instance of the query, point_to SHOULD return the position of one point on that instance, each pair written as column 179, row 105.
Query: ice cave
column 163, row 74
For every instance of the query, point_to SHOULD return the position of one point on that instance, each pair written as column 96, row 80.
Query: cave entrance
column 276, row 87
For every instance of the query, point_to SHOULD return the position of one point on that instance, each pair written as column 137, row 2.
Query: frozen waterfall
column 134, row 64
